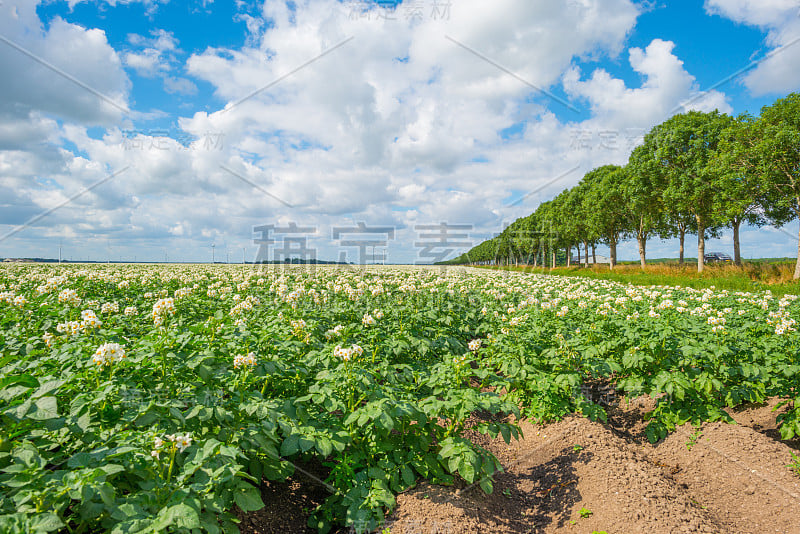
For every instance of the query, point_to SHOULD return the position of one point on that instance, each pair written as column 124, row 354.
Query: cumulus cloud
column 65, row 70
column 63, row 73
column 777, row 72
column 402, row 103
column 667, row 88
column 401, row 125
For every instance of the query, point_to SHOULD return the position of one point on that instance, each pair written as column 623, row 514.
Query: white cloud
column 778, row 72
column 65, row 70
column 401, row 103
column 146, row 63
column 64, row 73
column 399, row 126
column 181, row 86
column 151, row 6
column 156, row 54
column 667, row 88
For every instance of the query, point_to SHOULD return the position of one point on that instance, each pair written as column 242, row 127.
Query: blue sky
column 212, row 118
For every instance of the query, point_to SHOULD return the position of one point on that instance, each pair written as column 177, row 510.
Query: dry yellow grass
column 767, row 273
column 752, row 276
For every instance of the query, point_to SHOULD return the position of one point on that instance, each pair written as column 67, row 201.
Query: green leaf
column 23, row 380
column 47, row 387
column 107, row 494
column 290, row 445
column 305, row 443
column 45, row 408
column 209, row 523
column 112, row 469
column 46, row 522
column 248, row 499
column 13, row 392
column 467, row 471
column 80, row 459
column 178, row 515
column 408, row 475
column 324, row 446
column 255, row 468
column 84, row 421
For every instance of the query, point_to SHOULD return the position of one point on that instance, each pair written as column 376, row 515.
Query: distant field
column 774, row 274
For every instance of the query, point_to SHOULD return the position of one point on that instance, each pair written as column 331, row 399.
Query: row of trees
column 696, row 173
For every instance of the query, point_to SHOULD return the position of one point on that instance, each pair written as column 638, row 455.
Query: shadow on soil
column 527, row 500
column 555, row 487
column 288, row 503
column 763, row 420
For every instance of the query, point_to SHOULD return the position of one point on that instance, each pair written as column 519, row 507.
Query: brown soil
column 722, row 478
column 761, row 418
column 288, row 504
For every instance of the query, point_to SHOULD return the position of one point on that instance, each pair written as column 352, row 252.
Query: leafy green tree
column 605, row 201
column 684, row 144
column 567, row 226
column 530, row 224
column 739, row 184
column 677, row 224
column 518, row 240
column 592, row 236
column 778, row 150
column 547, row 230
column 675, row 220
column 574, row 218
column 643, row 202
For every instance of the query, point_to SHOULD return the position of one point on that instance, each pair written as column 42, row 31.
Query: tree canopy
column 696, row 173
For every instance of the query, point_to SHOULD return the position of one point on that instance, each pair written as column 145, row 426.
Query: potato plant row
column 158, row 398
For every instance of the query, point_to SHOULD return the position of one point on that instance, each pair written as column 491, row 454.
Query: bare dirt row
column 579, row 476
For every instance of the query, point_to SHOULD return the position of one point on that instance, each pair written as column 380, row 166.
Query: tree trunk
column 579, row 254
column 701, row 244
column 569, row 256
column 642, row 239
column 594, row 255
column 554, row 259
column 682, row 238
column 797, row 265
column 737, row 254
column 586, row 250
column 612, row 245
